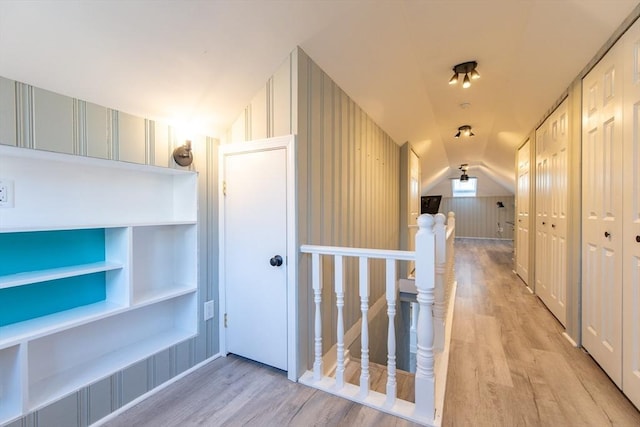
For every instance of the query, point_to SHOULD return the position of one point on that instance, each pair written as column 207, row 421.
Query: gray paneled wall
column 347, row 177
column 35, row 118
column 479, row 216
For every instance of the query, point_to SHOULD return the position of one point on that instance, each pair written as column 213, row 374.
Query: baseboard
column 153, row 391
column 568, row 338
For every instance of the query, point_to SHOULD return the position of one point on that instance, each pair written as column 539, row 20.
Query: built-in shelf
column 30, row 277
column 127, row 233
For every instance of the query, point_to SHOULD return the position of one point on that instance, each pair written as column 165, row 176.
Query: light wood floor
column 509, row 366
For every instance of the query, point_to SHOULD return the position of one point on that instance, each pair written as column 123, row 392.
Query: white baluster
column 392, row 293
column 339, row 285
column 413, row 336
column 451, row 276
column 316, row 282
column 364, row 307
column 425, row 278
column 440, row 232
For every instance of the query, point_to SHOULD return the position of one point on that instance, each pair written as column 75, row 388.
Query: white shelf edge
column 17, row 333
column 30, row 153
column 148, row 298
column 62, row 383
column 20, row 279
column 91, row 226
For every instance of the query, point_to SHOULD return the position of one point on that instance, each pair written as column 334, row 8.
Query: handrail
column 359, row 252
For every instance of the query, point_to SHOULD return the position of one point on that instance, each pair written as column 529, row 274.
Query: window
column 464, row 188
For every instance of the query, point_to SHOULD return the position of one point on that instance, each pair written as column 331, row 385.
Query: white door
column 602, row 214
column 254, row 253
column 631, row 232
column 522, row 245
column 542, row 214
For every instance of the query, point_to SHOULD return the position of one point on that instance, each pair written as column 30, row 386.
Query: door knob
column 638, row 239
column 607, row 234
column 276, row 261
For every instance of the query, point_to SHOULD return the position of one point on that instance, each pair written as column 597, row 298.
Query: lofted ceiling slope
column 201, row 62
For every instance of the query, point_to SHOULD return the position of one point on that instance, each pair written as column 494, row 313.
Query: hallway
column 509, row 366
column 509, row 363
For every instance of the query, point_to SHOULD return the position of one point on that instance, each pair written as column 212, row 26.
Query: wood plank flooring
column 509, row 363
column 509, row 366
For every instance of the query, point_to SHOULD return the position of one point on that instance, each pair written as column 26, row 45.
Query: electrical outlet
column 6, row 193
column 208, row 310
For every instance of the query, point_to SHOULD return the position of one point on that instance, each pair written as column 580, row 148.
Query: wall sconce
column 500, row 204
column 468, row 69
column 183, row 154
column 464, row 131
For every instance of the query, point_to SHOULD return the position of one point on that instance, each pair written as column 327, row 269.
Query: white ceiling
column 201, row 62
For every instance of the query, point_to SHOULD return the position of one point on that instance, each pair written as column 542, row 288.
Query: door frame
column 288, row 144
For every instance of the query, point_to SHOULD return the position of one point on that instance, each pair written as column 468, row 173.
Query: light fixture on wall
column 469, row 71
column 464, row 131
column 183, row 154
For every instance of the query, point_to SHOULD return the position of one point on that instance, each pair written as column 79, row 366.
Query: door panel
column 602, row 221
column 255, row 230
column 631, row 231
column 522, row 240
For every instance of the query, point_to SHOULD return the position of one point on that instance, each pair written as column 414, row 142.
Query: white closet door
column 522, row 243
column 602, row 214
column 542, row 266
column 631, row 236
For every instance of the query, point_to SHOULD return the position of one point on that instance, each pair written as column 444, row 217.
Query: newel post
column 425, row 281
column 440, row 231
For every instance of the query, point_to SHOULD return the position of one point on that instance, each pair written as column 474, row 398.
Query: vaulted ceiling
column 202, row 61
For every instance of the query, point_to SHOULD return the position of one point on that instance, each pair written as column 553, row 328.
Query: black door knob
column 607, row 234
column 638, row 239
column 276, row 261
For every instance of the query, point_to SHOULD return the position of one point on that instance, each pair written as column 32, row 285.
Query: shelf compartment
column 63, row 362
column 34, row 328
column 11, row 391
column 109, row 193
column 163, row 261
column 27, row 302
column 19, row 279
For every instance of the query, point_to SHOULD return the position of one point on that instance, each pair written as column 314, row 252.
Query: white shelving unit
column 149, row 219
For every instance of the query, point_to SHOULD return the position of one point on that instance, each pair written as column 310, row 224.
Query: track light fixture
column 464, row 131
column 469, row 71
column 463, row 167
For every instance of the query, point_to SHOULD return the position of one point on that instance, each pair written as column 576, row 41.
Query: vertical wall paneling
column 24, row 115
column 79, row 127
column 479, row 217
column 97, row 126
column 8, row 134
column 98, row 400
column 259, row 117
column 53, row 121
column 131, row 138
column 161, row 147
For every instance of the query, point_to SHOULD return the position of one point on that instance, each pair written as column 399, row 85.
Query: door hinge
column 224, row 188
column 225, row 320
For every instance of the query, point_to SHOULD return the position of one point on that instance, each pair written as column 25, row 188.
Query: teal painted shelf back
column 32, row 251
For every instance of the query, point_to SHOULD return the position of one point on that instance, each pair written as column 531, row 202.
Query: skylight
column 464, row 188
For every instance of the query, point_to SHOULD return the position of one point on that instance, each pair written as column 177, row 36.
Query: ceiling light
column 463, row 167
column 468, row 69
column 464, row 131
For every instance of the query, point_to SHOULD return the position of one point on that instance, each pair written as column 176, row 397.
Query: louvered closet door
column 602, row 214
column 631, row 236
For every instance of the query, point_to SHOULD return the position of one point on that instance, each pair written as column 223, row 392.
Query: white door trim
column 287, row 143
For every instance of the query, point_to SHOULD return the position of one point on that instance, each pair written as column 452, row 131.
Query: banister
column 359, row 252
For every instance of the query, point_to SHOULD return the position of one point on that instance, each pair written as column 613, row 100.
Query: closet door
column 602, row 214
column 542, row 267
column 551, row 208
column 631, row 228
column 522, row 245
